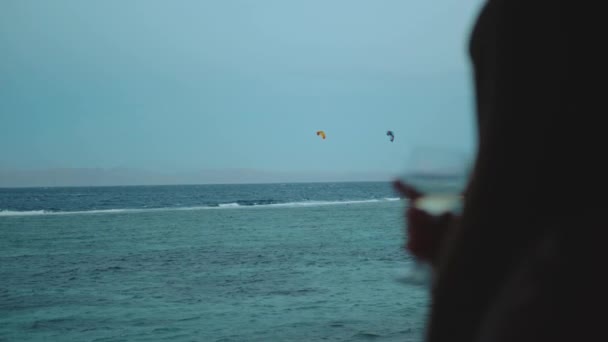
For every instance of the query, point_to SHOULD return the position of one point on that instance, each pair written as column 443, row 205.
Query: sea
column 259, row 262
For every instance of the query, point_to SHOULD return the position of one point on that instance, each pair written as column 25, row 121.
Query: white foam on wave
column 223, row 206
column 229, row 205
column 46, row 212
column 101, row 211
column 316, row 203
column 22, row 213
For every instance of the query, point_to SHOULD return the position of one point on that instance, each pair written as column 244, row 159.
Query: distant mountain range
column 127, row 176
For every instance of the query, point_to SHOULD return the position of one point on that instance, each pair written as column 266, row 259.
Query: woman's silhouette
column 522, row 262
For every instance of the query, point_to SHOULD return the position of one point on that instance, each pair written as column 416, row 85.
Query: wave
column 220, row 206
column 229, row 205
column 23, row 213
column 51, row 212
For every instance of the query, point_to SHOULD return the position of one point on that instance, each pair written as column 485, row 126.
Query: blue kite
column 390, row 134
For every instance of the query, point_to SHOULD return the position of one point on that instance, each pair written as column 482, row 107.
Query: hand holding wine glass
column 425, row 231
column 433, row 185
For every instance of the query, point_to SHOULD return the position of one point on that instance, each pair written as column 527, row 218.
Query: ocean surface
column 276, row 262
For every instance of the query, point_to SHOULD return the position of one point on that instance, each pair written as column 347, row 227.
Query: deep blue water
column 281, row 262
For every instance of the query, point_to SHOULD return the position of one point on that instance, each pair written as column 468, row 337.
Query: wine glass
column 441, row 175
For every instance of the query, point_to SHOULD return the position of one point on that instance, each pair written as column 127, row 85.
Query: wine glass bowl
column 440, row 176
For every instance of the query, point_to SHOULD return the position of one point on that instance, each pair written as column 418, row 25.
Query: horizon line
column 192, row 184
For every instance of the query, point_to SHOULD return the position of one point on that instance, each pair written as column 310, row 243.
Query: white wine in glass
column 441, row 175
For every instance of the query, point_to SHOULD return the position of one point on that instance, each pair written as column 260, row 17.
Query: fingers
column 418, row 218
column 421, row 220
column 425, row 232
column 407, row 190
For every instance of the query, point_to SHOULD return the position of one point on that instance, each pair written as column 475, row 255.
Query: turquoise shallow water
column 321, row 271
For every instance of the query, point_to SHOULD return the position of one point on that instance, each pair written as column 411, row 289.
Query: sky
column 178, row 87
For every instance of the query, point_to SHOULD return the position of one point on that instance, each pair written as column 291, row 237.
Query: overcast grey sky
column 180, row 86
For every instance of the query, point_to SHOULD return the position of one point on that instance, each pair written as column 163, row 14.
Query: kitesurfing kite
column 321, row 133
column 390, row 134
